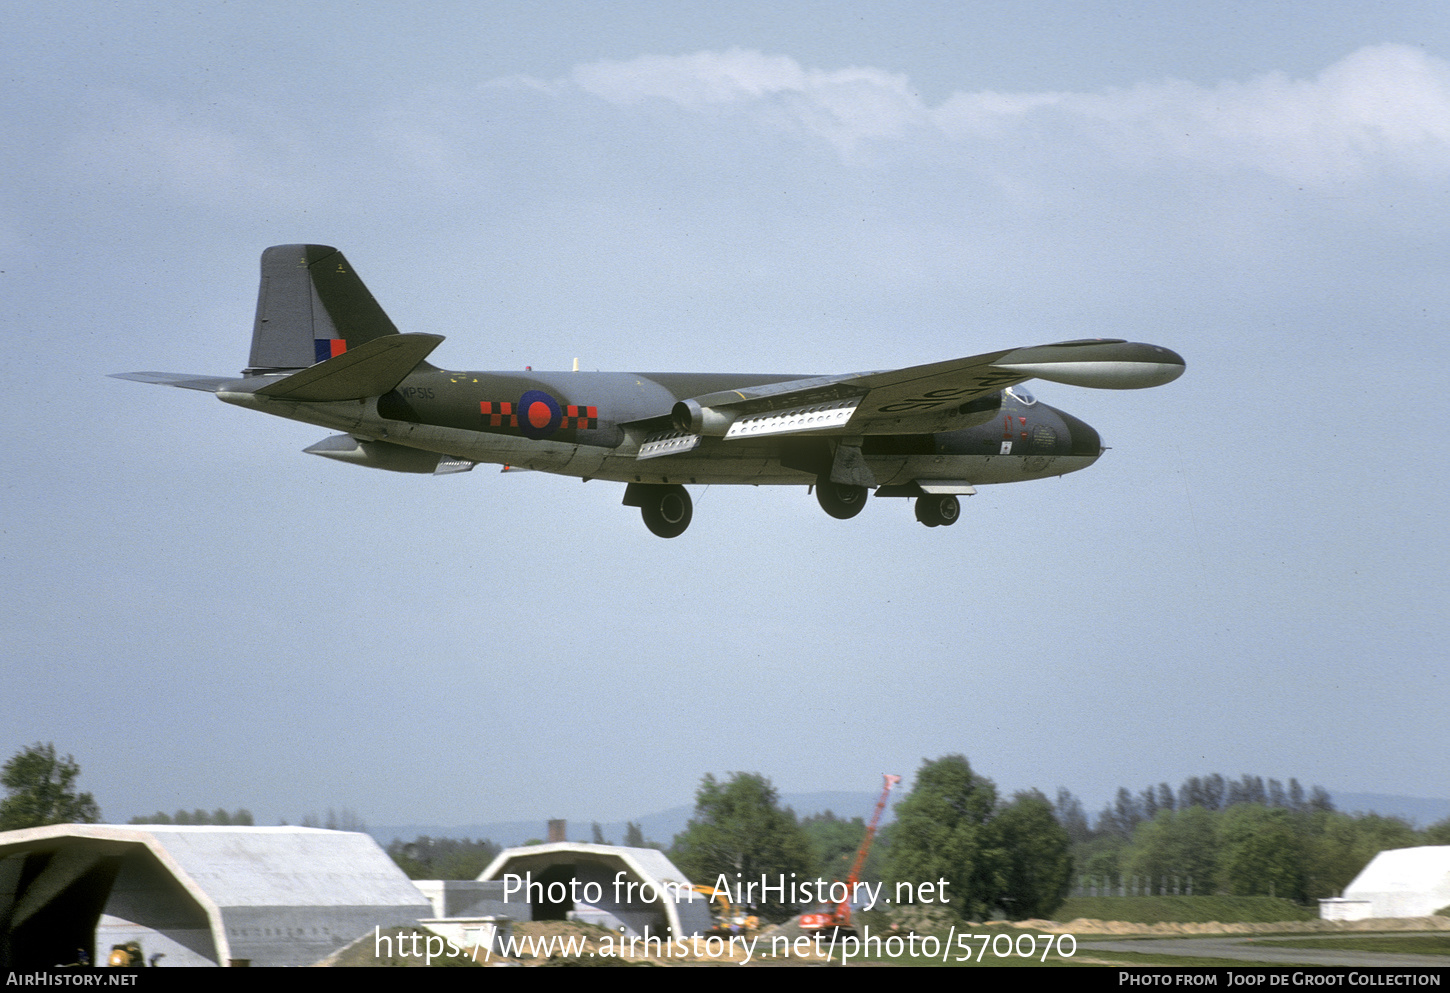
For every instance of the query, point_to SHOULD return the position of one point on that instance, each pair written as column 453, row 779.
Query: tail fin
column 311, row 306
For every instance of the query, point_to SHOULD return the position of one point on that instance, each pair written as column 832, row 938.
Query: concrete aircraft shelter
column 198, row 895
column 601, row 875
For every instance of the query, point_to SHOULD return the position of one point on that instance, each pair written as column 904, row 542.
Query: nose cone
column 1085, row 440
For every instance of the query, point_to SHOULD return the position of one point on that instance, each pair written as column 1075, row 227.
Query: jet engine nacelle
column 690, row 416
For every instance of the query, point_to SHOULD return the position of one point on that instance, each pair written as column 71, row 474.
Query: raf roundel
column 539, row 414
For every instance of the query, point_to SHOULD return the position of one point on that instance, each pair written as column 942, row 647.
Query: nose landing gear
column 938, row 511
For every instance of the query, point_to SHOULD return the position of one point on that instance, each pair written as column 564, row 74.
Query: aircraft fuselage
column 572, row 423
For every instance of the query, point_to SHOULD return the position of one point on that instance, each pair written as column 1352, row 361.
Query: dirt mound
column 1085, row 926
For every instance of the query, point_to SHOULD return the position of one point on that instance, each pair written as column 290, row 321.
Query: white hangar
column 1402, row 882
column 618, row 887
column 197, row 895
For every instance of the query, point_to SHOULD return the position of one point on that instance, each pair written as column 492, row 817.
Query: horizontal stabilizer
column 371, row 369
column 207, row 384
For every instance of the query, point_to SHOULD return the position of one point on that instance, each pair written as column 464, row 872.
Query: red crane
column 840, row 915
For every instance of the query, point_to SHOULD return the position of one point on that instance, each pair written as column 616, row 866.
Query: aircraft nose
column 1085, row 440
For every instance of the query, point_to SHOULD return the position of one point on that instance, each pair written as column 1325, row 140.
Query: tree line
column 1122, row 816
column 1020, row 857
column 1245, row 837
column 443, row 858
column 996, row 855
column 221, row 816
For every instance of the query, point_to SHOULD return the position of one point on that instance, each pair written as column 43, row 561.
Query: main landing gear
column 666, row 508
column 841, row 500
column 941, row 510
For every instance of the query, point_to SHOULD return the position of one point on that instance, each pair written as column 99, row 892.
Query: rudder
column 311, row 306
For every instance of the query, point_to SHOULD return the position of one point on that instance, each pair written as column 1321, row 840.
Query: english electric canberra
column 324, row 352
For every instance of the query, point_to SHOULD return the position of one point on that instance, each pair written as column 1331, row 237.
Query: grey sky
column 1252, row 579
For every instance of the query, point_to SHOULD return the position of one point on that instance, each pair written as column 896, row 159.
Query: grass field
column 1184, row 909
column 1409, row 944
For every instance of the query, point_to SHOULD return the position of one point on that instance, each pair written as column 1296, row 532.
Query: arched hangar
column 1400, row 882
column 197, row 895
column 632, row 888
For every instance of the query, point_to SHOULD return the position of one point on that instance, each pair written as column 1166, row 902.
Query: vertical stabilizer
column 311, row 306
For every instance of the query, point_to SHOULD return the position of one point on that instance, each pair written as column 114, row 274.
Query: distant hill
column 660, row 827
column 1419, row 811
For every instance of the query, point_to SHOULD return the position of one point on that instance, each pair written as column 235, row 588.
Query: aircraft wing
column 920, row 398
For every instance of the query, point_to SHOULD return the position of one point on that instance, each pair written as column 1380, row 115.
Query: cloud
column 695, row 80
column 1380, row 112
column 844, row 106
column 1384, row 108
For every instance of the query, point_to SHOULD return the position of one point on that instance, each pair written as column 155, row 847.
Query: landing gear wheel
column 841, row 500
column 667, row 510
column 938, row 511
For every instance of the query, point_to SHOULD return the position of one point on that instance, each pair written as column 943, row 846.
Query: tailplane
column 368, row 370
column 311, row 307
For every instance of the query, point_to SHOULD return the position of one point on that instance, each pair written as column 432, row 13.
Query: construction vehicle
column 726, row 917
column 838, row 918
column 127, row 956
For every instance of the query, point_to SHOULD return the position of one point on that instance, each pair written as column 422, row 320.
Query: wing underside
column 917, row 399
